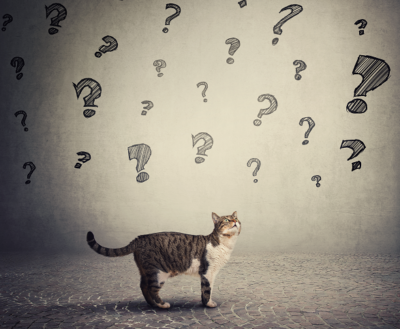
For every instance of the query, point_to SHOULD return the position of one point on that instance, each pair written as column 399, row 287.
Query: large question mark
column 18, row 63
column 316, row 178
column 170, row 18
column 272, row 108
column 148, row 107
column 311, row 125
column 62, row 14
column 95, row 92
column 235, row 44
column 112, row 45
column 302, row 66
column 8, row 21
column 160, row 64
column 86, row 158
column 33, row 167
column 363, row 23
column 142, row 153
column 257, row 167
column 374, row 72
column 294, row 10
column 204, row 90
column 23, row 118
column 357, row 146
column 201, row 150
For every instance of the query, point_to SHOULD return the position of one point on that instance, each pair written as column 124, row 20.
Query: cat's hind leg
column 155, row 283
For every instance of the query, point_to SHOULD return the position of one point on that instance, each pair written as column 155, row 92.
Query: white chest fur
column 218, row 256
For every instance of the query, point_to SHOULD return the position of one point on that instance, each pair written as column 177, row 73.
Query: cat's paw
column 211, row 303
column 165, row 305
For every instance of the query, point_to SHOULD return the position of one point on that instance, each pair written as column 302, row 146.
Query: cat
column 159, row 256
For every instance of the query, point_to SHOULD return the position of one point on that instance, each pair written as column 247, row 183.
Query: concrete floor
column 276, row 290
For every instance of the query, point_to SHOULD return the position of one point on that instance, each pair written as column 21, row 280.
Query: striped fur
column 159, row 256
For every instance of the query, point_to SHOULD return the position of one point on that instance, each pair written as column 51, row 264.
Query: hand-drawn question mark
column 302, row 66
column 33, row 167
column 8, row 21
column 242, row 3
column 160, row 64
column 363, row 23
column 95, row 92
column 374, row 72
column 170, row 18
column 18, row 63
column 316, row 178
column 257, row 167
column 294, row 10
column 272, row 108
column 142, row 153
column 204, row 90
column 23, row 118
column 148, row 107
column 86, row 158
column 357, row 146
column 112, row 45
column 235, row 44
column 201, row 150
column 62, row 14
column 311, row 124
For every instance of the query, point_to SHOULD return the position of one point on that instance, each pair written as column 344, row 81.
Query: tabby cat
column 167, row 254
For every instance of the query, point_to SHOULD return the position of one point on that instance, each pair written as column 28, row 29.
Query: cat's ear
column 215, row 218
column 234, row 215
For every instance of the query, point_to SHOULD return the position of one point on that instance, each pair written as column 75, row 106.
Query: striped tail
column 107, row 251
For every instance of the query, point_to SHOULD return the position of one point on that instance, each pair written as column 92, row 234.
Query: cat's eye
column 226, row 220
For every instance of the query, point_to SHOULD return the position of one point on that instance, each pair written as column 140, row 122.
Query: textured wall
column 351, row 211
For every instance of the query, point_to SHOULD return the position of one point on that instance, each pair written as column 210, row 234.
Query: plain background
column 351, row 212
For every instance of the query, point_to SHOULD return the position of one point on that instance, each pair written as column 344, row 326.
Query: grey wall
column 352, row 211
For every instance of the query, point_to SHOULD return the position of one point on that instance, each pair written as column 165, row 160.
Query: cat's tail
column 107, row 251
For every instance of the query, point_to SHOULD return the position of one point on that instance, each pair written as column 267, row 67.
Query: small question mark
column 201, row 150
column 62, row 14
column 272, row 108
column 95, row 92
column 112, row 45
column 294, row 10
column 30, row 164
column 142, row 153
column 311, row 124
column 148, row 107
column 19, row 63
column 363, row 23
column 257, row 167
column 300, row 68
column 235, row 44
column 160, row 64
column 204, row 90
column 86, row 158
column 8, row 21
column 357, row 146
column 170, row 18
column 23, row 119
column 316, row 178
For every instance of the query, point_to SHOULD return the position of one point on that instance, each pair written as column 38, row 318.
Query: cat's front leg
column 206, row 290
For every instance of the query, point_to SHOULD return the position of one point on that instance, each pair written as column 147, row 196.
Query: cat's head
column 227, row 225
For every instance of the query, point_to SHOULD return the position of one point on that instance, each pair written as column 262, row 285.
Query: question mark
column 272, row 108
column 160, row 64
column 363, row 23
column 23, row 119
column 112, row 45
column 302, row 67
column 8, row 21
column 19, row 63
column 311, row 124
column 316, row 178
column 95, row 92
column 142, row 153
column 62, row 14
column 294, row 10
column 86, row 158
column 148, row 107
column 170, row 18
column 257, row 167
column 357, row 146
column 201, row 150
column 235, row 44
column 204, row 90
column 30, row 164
